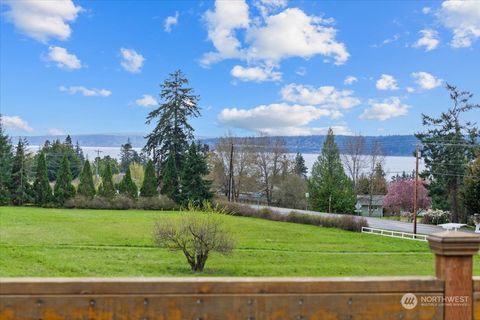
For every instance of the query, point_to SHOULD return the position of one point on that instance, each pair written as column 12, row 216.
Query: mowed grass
column 65, row 242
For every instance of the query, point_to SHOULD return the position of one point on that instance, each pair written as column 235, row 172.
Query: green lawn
column 61, row 242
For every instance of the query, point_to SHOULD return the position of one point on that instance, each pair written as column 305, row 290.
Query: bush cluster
column 435, row 216
column 122, row 202
column 344, row 222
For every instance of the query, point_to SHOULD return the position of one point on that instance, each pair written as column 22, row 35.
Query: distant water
column 393, row 165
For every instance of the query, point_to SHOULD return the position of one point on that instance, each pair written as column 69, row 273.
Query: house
column 376, row 206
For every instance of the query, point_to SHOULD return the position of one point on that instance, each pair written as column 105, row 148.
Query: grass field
column 61, row 242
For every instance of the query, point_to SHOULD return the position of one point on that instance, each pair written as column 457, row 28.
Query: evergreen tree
column 54, row 153
column 300, row 169
column 379, row 182
column 149, row 187
column 448, row 145
column 169, row 139
column 330, row 188
column 6, row 161
column 472, row 187
column 19, row 186
column 127, row 186
column 79, row 153
column 63, row 189
column 86, row 187
column 41, row 186
column 170, row 179
column 107, row 188
column 128, row 156
column 194, row 189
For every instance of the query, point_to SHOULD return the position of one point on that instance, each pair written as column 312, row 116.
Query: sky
column 273, row 66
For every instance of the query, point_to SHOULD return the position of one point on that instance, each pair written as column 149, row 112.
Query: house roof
column 377, row 200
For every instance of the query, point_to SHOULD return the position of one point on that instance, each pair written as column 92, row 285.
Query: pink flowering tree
column 400, row 196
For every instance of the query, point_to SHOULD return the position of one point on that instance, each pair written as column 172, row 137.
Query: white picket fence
column 395, row 234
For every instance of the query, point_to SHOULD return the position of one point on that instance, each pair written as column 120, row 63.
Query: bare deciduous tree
column 196, row 234
column 375, row 159
column 354, row 158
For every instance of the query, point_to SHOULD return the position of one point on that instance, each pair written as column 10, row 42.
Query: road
column 372, row 222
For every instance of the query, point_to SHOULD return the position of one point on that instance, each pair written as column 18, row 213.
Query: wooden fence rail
column 450, row 295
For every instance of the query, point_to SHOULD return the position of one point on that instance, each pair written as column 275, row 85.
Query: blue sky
column 275, row 66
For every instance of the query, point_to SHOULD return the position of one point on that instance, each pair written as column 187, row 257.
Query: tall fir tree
column 107, row 188
column 150, row 184
column 41, row 185
column 471, row 191
column 63, row 189
column 127, row 186
column 169, row 139
column 19, row 186
column 448, row 145
column 6, row 162
column 170, row 179
column 300, row 169
column 194, row 188
column 330, row 188
column 127, row 156
column 86, row 186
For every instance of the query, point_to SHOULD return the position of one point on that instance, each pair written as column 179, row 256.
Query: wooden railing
column 450, row 295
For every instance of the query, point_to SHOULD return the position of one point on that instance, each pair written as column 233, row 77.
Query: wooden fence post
column 453, row 263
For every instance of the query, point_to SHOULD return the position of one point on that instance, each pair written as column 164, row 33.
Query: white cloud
column 290, row 33
column 463, row 19
column 326, row 96
column 132, row 60
column 42, row 20
column 170, row 22
column 266, row 7
column 382, row 110
column 274, row 118
column 429, row 39
column 301, row 71
column 146, row 101
column 307, row 131
column 15, row 122
column 350, row 80
column 257, row 74
column 425, row 80
column 387, row 82
column 426, row 10
column 85, row 91
column 410, row 89
column 55, row 132
column 63, row 58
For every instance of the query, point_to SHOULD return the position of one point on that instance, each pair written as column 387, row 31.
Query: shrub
column 156, row 203
column 434, row 216
column 121, row 202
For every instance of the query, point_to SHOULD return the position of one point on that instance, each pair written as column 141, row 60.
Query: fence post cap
column 454, row 243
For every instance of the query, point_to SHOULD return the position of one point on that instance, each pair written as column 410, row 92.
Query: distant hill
column 398, row 145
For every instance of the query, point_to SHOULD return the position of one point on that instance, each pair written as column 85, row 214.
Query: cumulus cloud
column 15, row 122
column 387, row 82
column 428, row 40
column 326, row 96
column 146, row 101
column 426, row 10
column 170, row 22
column 463, row 19
column 86, row 91
column 308, row 131
column 290, row 33
column 55, row 132
column 132, row 61
column 274, row 118
column 42, row 20
column 350, row 80
column 266, row 7
column 382, row 110
column 63, row 58
column 256, row 74
column 425, row 80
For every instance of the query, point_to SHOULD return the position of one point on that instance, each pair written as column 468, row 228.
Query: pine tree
column 170, row 179
column 472, row 187
column 79, row 153
column 330, row 188
column 86, row 187
column 149, row 187
column 169, row 139
column 127, row 186
column 128, row 156
column 63, row 189
column 194, row 189
column 6, row 161
column 19, row 186
column 107, row 188
column 448, row 145
column 41, row 186
column 300, row 169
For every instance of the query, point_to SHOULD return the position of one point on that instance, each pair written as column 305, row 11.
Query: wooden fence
column 451, row 294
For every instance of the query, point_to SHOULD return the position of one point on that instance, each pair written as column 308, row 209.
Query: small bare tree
column 354, row 158
column 196, row 234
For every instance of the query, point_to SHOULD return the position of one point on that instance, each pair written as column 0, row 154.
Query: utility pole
column 415, row 191
column 97, row 160
column 231, row 192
